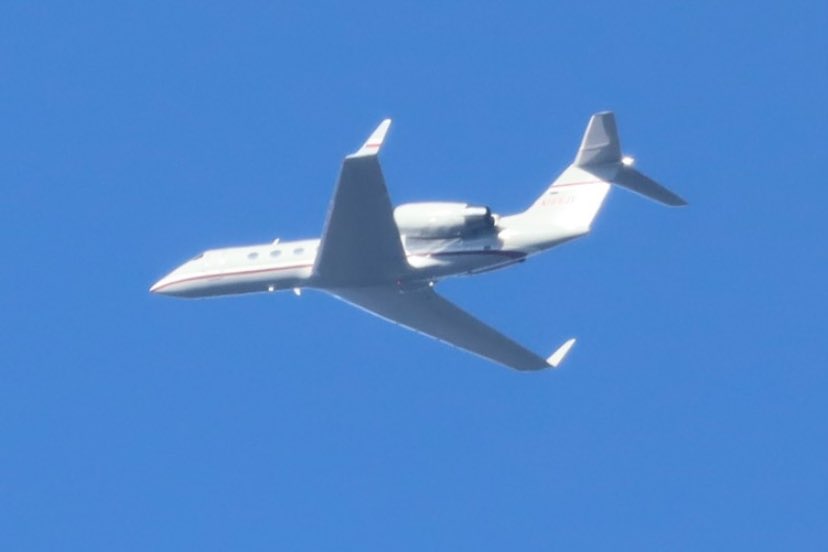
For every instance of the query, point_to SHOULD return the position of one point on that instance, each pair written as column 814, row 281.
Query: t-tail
column 576, row 196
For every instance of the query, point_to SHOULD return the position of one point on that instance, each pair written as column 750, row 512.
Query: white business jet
column 386, row 260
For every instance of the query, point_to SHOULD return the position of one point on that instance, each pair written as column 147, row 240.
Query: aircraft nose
column 170, row 284
column 162, row 286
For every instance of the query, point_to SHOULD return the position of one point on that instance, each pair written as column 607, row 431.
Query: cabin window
column 275, row 252
column 298, row 250
column 253, row 256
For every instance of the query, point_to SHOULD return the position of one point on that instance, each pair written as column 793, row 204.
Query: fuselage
column 288, row 265
column 385, row 260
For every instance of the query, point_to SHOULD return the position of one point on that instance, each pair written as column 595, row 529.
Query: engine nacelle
column 442, row 220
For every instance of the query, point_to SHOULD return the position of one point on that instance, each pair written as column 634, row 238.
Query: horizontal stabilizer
column 640, row 183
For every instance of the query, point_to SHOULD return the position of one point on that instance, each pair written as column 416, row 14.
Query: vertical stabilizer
column 600, row 144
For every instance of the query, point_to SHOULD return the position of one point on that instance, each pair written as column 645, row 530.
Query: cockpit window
column 197, row 257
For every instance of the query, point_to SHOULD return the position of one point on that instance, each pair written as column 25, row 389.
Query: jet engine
column 442, row 220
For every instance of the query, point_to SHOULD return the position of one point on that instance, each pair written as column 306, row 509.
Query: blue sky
column 691, row 414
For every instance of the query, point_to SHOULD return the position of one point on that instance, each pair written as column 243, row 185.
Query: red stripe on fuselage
column 577, row 183
column 510, row 254
column 236, row 273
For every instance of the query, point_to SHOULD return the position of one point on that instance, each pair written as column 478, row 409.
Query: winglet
column 557, row 357
column 374, row 142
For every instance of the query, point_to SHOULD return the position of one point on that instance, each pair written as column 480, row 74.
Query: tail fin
column 600, row 144
column 577, row 195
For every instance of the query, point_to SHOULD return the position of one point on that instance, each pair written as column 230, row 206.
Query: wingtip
column 374, row 142
column 556, row 358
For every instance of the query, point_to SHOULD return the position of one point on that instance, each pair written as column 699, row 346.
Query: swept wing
column 361, row 243
column 426, row 312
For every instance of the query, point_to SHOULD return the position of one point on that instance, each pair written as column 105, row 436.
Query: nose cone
column 179, row 282
column 167, row 284
column 158, row 287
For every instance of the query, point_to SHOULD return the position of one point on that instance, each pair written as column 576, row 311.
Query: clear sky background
column 691, row 414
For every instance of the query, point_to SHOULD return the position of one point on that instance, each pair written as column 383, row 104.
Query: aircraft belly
column 455, row 263
column 247, row 281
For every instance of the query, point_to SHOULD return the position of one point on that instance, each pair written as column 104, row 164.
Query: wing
column 361, row 243
column 424, row 311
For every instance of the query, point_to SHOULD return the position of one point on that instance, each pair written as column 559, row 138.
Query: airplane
column 387, row 260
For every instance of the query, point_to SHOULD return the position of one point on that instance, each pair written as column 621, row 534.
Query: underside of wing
column 361, row 243
column 426, row 312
